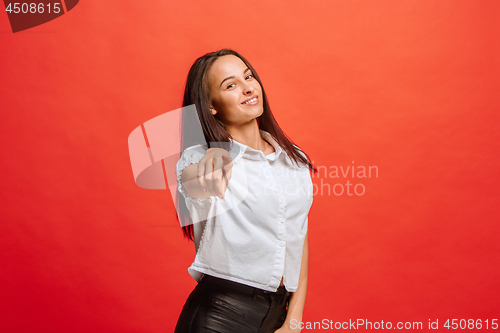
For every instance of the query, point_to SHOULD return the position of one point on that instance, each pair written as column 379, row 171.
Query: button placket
column 281, row 220
column 270, row 181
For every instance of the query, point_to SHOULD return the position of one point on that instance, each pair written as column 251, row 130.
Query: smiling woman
column 235, row 107
column 250, row 237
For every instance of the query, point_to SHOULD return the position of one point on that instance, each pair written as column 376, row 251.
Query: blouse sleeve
column 198, row 207
column 309, row 183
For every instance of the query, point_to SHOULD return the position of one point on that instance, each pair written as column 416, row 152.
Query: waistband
column 243, row 288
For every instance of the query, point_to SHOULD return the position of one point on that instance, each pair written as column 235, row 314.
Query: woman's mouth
column 251, row 101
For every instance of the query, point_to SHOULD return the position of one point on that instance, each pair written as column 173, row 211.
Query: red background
column 408, row 86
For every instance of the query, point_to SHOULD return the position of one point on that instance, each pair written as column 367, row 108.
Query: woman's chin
column 258, row 111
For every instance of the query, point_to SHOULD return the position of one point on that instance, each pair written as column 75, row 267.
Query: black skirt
column 223, row 306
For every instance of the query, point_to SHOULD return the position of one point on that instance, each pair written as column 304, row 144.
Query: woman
column 245, row 202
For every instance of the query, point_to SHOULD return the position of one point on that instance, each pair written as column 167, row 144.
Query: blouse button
column 282, row 220
column 281, row 244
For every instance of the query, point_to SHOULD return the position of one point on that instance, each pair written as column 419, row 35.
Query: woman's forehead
column 226, row 66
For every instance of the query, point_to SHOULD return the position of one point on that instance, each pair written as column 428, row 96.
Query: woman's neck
column 249, row 135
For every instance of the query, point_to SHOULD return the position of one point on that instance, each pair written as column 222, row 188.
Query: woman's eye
column 246, row 78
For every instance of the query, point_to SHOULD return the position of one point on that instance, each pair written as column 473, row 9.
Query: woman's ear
column 213, row 111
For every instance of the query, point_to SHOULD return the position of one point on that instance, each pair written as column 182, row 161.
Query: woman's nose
column 247, row 89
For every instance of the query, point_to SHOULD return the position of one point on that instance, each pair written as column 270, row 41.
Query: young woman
column 244, row 200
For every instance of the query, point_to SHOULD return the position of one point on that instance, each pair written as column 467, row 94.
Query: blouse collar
column 238, row 149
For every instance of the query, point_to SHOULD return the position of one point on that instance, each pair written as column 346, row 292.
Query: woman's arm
column 189, row 179
column 298, row 298
column 209, row 176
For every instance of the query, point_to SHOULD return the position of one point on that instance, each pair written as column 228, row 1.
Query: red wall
column 410, row 87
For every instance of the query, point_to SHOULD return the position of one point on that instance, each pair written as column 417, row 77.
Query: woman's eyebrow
column 232, row 76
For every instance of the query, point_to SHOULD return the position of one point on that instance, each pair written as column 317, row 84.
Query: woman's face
column 236, row 95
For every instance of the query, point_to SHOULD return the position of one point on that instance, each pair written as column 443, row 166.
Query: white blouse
column 255, row 235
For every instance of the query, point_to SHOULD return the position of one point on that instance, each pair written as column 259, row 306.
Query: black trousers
column 223, row 306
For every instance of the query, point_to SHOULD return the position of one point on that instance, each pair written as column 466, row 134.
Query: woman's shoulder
column 298, row 164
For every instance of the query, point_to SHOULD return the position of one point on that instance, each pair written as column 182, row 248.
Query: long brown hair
column 197, row 92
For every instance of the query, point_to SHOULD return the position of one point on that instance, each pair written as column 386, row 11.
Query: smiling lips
column 251, row 101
